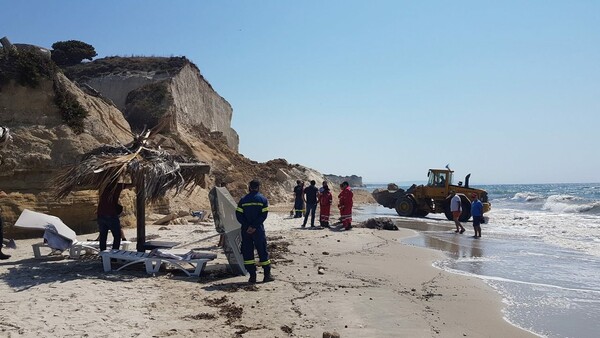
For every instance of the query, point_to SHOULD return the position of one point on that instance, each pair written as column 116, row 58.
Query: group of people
column 312, row 196
column 476, row 212
column 253, row 208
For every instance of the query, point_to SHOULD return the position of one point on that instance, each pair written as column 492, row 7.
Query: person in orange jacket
column 345, row 205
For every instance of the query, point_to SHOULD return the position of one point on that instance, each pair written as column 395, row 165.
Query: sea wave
column 571, row 204
column 527, row 196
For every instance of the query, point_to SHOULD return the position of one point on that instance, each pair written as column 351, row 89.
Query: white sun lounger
column 153, row 262
column 77, row 249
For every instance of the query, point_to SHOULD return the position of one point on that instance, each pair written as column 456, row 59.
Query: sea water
column 540, row 250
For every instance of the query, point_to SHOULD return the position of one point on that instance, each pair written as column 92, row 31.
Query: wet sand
column 549, row 289
column 372, row 286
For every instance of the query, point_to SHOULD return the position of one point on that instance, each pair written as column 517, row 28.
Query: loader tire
column 447, row 211
column 405, row 206
column 465, row 205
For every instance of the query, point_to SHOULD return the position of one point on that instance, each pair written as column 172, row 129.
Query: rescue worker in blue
column 251, row 212
column 298, row 200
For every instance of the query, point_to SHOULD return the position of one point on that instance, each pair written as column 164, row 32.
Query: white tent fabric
column 56, row 241
column 37, row 220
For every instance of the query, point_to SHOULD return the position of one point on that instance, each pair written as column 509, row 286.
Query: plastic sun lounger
column 77, row 249
column 153, row 262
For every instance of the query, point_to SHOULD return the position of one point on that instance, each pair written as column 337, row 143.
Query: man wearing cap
column 251, row 212
column 477, row 213
column 455, row 208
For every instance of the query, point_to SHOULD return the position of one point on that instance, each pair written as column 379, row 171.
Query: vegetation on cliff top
column 117, row 64
column 72, row 52
column 28, row 69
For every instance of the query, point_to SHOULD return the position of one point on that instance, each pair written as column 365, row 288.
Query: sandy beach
column 372, row 286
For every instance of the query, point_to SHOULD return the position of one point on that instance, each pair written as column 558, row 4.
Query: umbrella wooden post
column 140, row 203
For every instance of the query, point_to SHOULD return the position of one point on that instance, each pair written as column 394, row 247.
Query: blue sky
column 506, row 90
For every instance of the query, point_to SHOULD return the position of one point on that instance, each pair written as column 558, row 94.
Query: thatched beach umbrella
column 153, row 172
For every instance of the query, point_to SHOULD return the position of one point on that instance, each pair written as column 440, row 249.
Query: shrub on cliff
column 72, row 52
column 146, row 105
column 26, row 67
column 71, row 111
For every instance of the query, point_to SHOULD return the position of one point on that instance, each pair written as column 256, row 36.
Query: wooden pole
column 140, row 203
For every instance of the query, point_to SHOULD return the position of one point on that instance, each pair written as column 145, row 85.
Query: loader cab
column 439, row 178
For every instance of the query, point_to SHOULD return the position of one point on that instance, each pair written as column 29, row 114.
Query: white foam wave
column 570, row 204
column 474, row 259
column 527, row 196
column 567, row 230
column 445, row 266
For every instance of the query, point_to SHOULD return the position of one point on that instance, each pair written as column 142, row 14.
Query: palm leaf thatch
column 153, row 170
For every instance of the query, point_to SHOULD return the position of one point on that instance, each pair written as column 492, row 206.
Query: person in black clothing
column 2, row 255
column 310, row 197
column 108, row 214
column 298, row 201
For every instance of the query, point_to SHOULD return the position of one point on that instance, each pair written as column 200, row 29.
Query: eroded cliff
column 193, row 101
column 45, row 140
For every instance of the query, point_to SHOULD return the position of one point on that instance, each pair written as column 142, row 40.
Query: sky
column 508, row 91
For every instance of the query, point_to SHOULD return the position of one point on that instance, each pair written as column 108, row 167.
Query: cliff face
column 194, row 101
column 43, row 144
column 353, row 180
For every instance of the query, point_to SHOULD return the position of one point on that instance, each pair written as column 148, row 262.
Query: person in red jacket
column 325, row 202
column 345, row 205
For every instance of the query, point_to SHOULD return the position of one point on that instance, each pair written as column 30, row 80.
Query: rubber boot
column 3, row 256
column 252, row 278
column 267, row 270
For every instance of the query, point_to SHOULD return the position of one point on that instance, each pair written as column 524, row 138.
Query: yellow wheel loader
column 420, row 200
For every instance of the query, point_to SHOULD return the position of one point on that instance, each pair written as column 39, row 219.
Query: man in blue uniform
column 477, row 212
column 298, row 201
column 251, row 212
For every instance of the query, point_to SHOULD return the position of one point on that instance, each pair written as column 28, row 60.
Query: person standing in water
column 477, row 213
column 455, row 208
